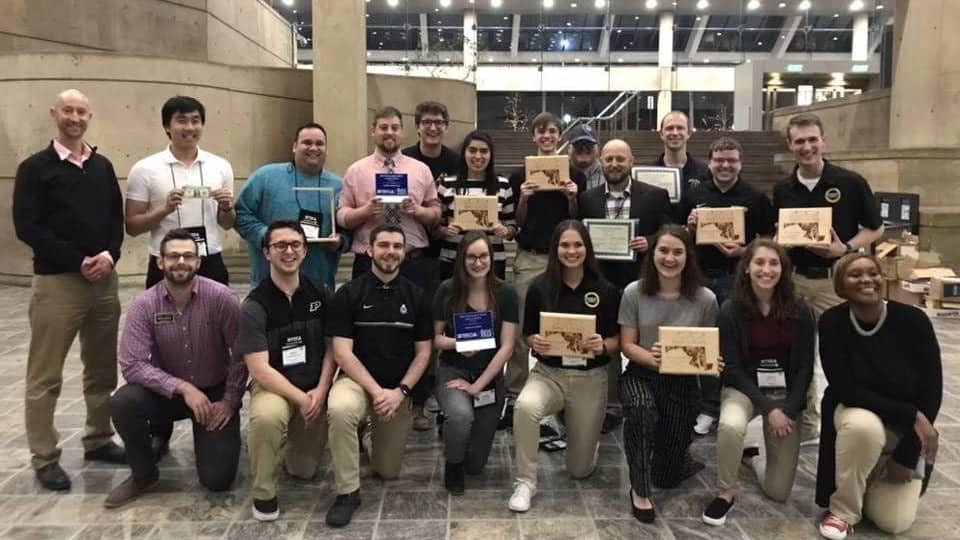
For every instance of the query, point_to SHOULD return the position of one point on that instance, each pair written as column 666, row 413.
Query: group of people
column 350, row 368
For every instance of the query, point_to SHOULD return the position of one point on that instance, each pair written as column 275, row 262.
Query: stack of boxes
column 914, row 278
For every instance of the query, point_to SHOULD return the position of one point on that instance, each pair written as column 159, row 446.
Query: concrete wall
column 251, row 113
column 246, row 32
column 852, row 123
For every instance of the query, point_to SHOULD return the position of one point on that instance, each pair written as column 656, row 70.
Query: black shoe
column 266, row 510
column 341, row 511
column 750, row 452
column 610, row 423
column 453, row 478
column 52, row 477
column 716, row 512
column 108, row 453
column 159, row 446
column 643, row 515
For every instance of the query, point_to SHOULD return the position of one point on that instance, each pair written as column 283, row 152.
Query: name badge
column 163, row 318
column 573, row 361
column 310, row 222
column 770, row 375
column 391, row 187
column 294, row 351
column 473, row 331
column 199, row 235
column 487, row 397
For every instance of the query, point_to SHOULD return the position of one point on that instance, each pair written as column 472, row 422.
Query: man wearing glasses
column 176, row 356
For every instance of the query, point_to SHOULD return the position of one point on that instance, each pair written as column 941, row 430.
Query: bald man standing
column 67, row 207
column 619, row 197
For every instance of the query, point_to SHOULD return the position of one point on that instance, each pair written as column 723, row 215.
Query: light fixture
column 782, row 5
column 835, row 15
column 393, row 3
column 445, row 3
column 651, row 4
column 600, row 4
column 698, row 19
column 703, row 4
column 860, row 68
column 567, row 118
column 496, row 3
column 573, row 5
column 748, row 60
column 759, row 43
column 576, row 60
column 619, row 59
column 856, row 5
column 804, row 6
column 879, row 6
column 706, row 60
column 753, row 4
column 794, row 68
column 489, row 59
column 836, row 80
column 548, row 4
column 288, row 3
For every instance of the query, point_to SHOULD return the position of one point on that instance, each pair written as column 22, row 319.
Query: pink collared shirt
column 359, row 187
column 66, row 154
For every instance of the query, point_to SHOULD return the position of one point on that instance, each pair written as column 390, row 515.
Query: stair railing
column 608, row 113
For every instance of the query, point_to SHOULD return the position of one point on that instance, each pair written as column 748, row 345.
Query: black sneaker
column 716, row 512
column 453, row 478
column 341, row 511
column 266, row 510
column 53, row 477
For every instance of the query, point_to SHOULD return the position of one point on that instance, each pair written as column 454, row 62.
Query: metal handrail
column 624, row 98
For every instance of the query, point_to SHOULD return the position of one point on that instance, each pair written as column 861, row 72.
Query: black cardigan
column 740, row 371
column 894, row 373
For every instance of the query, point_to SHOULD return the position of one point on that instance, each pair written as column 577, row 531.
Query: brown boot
column 128, row 491
column 420, row 420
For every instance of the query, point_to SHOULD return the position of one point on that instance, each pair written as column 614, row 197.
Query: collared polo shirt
column 153, row 177
column 693, row 173
column 576, row 301
column 544, row 210
column 848, row 193
column 271, row 321
column 161, row 345
column 759, row 219
column 384, row 320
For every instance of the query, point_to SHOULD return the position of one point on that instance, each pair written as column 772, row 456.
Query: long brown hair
column 690, row 278
column 554, row 273
column 784, row 302
column 460, row 283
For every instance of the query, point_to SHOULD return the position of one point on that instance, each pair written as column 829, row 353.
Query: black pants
column 721, row 284
column 135, row 408
column 210, row 267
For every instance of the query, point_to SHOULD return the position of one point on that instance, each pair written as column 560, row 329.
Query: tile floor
column 415, row 506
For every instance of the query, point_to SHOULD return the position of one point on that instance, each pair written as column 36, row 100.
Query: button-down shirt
column 618, row 204
column 66, row 154
column 594, row 174
column 162, row 345
column 359, row 187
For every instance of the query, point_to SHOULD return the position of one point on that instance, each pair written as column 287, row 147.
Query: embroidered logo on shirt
column 832, row 195
column 403, row 309
column 314, row 306
column 365, row 306
column 591, row 299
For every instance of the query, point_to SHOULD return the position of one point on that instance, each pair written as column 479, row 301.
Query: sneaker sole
column 518, row 509
column 715, row 522
column 261, row 516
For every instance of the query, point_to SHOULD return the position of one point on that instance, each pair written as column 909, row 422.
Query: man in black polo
column 382, row 333
column 675, row 132
column 282, row 341
column 815, row 182
column 719, row 262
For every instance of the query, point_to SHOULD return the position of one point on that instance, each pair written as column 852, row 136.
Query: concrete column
column 340, row 78
column 861, row 38
column 925, row 98
column 470, row 43
column 665, row 65
column 748, row 97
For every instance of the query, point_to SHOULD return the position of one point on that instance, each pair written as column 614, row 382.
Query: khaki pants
column 347, row 407
column 736, row 411
column 819, row 294
column 526, row 266
column 62, row 306
column 276, row 433
column 581, row 395
column 863, row 446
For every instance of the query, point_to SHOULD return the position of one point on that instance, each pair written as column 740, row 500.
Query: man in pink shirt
column 361, row 209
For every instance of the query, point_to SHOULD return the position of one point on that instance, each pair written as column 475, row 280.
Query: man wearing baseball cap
column 585, row 155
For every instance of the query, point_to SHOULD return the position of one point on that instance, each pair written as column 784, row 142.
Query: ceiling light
column 651, row 4
column 576, row 59
column 600, row 3
column 445, row 3
column 393, row 3
column 835, row 15
column 879, row 6
column 856, row 5
column 782, row 5
column 547, row 4
column 703, row 4
column 619, row 59
column 804, row 6
column 573, row 4
column 706, row 60
column 753, row 4
column 496, row 3
column 489, row 59
column 759, row 43
column 288, row 3
column 698, row 19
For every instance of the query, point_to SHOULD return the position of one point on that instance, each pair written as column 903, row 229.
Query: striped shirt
column 447, row 192
column 162, row 346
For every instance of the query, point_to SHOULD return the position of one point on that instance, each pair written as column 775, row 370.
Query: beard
column 617, row 180
column 382, row 265
column 179, row 276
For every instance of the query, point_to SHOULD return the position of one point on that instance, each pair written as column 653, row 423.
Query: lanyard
column 618, row 208
column 203, row 218
column 296, row 192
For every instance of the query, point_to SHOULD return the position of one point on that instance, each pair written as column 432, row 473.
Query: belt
column 815, row 272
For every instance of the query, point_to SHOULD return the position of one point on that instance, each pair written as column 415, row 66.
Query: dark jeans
column 135, row 408
column 721, row 284
column 210, row 267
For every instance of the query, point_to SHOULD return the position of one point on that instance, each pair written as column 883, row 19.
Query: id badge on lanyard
column 771, row 378
column 294, row 351
column 311, row 223
column 487, row 397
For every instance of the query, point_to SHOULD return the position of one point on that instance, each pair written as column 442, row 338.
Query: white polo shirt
column 153, row 177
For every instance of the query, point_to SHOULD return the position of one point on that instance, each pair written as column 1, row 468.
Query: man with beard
column 176, row 356
column 583, row 154
column 361, row 210
column 381, row 341
column 282, row 327
column 621, row 198
column 675, row 131
column 271, row 194
column 719, row 262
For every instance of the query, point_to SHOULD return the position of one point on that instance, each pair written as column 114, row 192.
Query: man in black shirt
column 815, row 182
column 675, row 132
column 290, row 360
column 719, row 262
column 381, row 340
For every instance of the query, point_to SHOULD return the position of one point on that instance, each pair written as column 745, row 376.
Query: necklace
column 876, row 328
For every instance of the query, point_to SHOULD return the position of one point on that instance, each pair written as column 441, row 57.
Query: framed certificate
column 611, row 238
column 667, row 178
column 320, row 229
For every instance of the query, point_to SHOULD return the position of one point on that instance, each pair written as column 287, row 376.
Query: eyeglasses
column 433, row 123
column 473, row 259
column 720, row 161
column 175, row 257
column 280, row 247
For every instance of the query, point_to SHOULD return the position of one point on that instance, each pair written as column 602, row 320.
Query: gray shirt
column 648, row 313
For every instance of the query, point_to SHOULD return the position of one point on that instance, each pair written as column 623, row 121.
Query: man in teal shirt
column 275, row 192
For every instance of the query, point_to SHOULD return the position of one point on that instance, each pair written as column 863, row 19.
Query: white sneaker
column 812, row 441
column 520, row 500
column 704, row 424
column 833, row 528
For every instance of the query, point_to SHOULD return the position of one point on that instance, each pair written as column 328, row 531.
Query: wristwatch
column 405, row 390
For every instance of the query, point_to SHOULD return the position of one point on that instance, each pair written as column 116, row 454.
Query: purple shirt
column 161, row 346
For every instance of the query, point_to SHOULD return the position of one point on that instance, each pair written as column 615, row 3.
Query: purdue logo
column 314, row 306
column 832, row 195
column 591, row 299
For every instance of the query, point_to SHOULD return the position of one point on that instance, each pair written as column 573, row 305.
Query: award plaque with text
column 721, row 225
column 689, row 350
column 547, row 172
column 475, row 212
column 805, row 226
column 568, row 333
column 611, row 238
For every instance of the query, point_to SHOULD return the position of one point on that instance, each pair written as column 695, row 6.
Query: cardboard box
column 945, row 288
column 721, row 225
column 475, row 212
column 919, row 279
column 547, row 172
column 898, row 293
column 689, row 350
column 805, row 226
column 567, row 332
column 893, row 264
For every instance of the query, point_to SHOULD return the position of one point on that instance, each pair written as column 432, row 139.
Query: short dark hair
column 430, row 107
column 681, row 113
column 804, row 120
column 725, row 143
column 385, row 228
column 544, row 119
column 387, row 112
column 281, row 224
column 308, row 125
column 843, row 264
column 182, row 105
column 176, row 234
